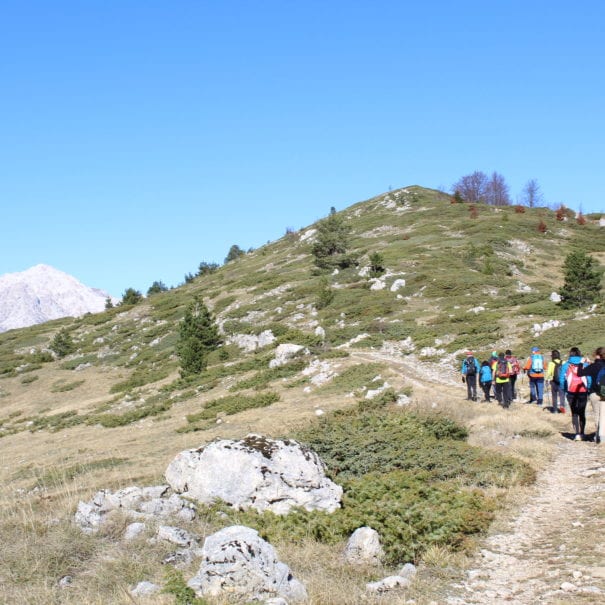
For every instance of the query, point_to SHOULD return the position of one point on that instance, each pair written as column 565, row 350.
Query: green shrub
column 61, row 387
column 353, row 442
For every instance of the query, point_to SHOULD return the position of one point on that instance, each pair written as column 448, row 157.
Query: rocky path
column 551, row 550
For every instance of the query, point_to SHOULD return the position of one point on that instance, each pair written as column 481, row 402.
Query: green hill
column 116, row 411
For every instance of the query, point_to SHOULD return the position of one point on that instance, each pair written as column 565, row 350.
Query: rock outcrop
column 255, row 472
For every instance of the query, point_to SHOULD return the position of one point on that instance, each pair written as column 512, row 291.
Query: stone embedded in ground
column 255, row 472
column 363, row 547
column 387, row 584
column 238, row 563
column 137, row 502
column 144, row 589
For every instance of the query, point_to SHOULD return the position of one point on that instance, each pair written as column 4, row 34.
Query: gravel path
column 553, row 550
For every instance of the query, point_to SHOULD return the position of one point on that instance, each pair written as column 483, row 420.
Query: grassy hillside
column 115, row 412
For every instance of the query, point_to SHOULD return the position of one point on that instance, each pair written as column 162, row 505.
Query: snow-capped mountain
column 43, row 293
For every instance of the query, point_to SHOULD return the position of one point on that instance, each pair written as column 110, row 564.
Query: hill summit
column 42, row 293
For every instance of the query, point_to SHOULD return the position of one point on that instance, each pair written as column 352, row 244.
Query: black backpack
column 471, row 366
column 599, row 387
column 557, row 371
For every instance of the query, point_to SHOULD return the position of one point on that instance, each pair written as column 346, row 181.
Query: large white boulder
column 237, row 562
column 255, row 472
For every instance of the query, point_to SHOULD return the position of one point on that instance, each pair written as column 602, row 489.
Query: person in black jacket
column 598, row 404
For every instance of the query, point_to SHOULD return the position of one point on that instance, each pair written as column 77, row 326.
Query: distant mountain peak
column 42, row 293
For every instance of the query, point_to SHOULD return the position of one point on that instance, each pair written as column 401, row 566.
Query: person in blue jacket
column 576, row 389
column 485, row 379
column 470, row 370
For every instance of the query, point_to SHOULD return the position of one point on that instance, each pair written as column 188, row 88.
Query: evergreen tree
column 206, row 268
column 234, row 252
column 131, row 297
column 582, row 281
column 62, row 344
column 376, row 264
column 108, row 303
column 198, row 336
column 156, row 287
column 331, row 243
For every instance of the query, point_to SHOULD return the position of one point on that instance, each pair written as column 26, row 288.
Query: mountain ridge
column 43, row 293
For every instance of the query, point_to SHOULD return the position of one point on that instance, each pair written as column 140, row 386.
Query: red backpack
column 575, row 383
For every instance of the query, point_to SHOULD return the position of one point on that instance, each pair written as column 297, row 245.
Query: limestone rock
column 363, row 547
column 237, row 562
column 255, row 472
column 285, row 352
column 138, row 502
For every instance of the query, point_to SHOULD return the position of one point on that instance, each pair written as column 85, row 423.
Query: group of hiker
column 568, row 383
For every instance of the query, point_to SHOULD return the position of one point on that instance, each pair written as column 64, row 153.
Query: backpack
column 537, row 363
column 575, row 383
column 502, row 369
column 556, row 375
column 600, row 383
column 471, row 367
column 514, row 362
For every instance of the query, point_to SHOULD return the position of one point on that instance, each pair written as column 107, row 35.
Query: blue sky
column 140, row 138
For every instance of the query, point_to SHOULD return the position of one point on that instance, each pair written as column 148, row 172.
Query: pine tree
column 131, row 297
column 156, row 287
column 62, row 344
column 331, row 243
column 198, row 336
column 582, row 281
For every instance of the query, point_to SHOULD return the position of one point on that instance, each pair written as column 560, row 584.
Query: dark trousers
column 503, row 393
column 577, row 403
column 487, row 387
column 513, row 389
column 471, row 387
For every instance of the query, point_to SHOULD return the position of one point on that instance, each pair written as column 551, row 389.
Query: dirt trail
column 553, row 549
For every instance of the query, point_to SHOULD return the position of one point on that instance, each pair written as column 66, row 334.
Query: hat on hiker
column 494, row 354
column 534, row 349
column 469, row 353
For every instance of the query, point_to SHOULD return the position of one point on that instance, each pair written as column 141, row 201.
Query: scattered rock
column 237, row 562
column 388, row 584
column 134, row 530
column 285, row 352
column 138, row 502
column 143, row 589
column 363, row 547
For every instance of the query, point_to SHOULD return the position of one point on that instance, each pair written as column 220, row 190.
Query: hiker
column 501, row 374
column 485, row 380
column 492, row 362
column 576, row 390
column 470, row 369
column 552, row 376
column 516, row 366
column 596, row 372
column 534, row 368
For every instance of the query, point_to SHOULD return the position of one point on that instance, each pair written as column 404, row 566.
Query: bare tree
column 472, row 187
column 497, row 191
column 532, row 196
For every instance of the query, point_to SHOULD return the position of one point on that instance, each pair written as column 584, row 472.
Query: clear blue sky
column 140, row 138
